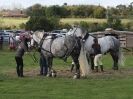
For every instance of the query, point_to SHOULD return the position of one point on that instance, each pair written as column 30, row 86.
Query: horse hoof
column 83, row 76
column 76, row 76
column 49, row 75
column 53, row 74
column 115, row 68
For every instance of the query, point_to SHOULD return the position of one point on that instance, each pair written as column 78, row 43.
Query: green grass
column 90, row 20
column 73, row 20
column 64, row 88
column 36, row 87
column 17, row 21
column 10, row 22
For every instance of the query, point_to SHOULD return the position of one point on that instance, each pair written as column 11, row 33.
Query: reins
column 69, row 52
column 33, row 57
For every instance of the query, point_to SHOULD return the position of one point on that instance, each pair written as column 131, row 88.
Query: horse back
column 109, row 43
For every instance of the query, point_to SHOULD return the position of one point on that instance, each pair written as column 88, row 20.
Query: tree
column 114, row 22
column 42, row 23
column 99, row 12
column 36, row 10
column 53, row 11
column 122, row 10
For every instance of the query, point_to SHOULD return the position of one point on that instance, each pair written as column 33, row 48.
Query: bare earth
column 122, row 72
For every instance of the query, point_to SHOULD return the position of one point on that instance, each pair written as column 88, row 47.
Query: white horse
column 61, row 47
column 108, row 44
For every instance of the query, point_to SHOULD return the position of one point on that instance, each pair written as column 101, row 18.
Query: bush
column 22, row 25
column 42, row 23
column 115, row 23
column 93, row 27
column 65, row 26
column 128, row 26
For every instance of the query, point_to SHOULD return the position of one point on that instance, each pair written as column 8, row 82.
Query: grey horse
column 108, row 44
column 60, row 47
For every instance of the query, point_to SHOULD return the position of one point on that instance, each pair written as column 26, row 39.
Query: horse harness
column 42, row 40
column 41, row 43
column 68, row 52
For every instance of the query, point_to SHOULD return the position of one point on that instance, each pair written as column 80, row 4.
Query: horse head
column 78, row 31
column 36, row 38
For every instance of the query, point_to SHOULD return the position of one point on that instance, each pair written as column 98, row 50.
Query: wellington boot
column 101, row 67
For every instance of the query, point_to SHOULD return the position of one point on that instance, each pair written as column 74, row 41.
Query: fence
column 125, row 37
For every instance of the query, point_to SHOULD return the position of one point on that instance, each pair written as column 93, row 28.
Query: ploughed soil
column 66, row 73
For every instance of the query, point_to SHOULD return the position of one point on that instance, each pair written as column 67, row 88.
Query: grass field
column 89, row 20
column 12, row 21
column 108, row 85
column 17, row 21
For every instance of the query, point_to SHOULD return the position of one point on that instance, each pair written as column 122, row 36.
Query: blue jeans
column 43, row 65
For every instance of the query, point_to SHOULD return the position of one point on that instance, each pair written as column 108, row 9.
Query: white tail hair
column 84, row 66
column 122, row 58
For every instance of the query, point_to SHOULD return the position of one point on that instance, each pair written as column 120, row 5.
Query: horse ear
column 84, row 30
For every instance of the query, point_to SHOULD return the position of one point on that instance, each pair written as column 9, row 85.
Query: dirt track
column 123, row 72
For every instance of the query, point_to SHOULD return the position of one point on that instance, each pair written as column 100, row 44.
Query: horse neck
column 37, row 38
column 90, row 39
column 70, row 39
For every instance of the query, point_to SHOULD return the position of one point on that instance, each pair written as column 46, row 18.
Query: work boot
column 101, row 67
column 21, row 72
column 18, row 71
column 96, row 67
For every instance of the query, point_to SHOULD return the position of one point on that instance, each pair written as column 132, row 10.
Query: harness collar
column 86, row 37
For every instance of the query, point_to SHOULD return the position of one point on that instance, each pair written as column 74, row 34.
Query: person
column 111, row 32
column 97, row 55
column 43, row 65
column 22, row 48
column 12, row 42
column 1, row 41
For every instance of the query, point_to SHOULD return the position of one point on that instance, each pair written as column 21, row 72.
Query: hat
column 110, row 30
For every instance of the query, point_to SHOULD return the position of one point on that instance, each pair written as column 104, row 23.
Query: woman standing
column 22, row 48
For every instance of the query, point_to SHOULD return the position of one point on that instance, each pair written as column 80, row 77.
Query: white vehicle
column 6, row 34
column 59, row 32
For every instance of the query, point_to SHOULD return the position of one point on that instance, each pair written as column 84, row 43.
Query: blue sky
column 27, row 3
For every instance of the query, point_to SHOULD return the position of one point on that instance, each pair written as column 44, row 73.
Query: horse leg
column 72, row 66
column 51, row 72
column 77, row 73
column 49, row 64
column 92, row 62
column 115, row 59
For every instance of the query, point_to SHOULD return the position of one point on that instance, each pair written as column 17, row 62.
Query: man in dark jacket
column 22, row 48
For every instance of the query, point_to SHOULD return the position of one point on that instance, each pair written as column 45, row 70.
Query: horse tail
column 84, row 66
column 121, row 56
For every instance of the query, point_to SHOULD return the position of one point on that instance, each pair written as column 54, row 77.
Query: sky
column 26, row 3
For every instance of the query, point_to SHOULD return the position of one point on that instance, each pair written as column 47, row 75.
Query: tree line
column 48, row 18
column 80, row 11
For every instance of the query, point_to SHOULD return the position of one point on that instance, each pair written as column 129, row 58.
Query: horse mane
column 39, row 34
column 92, row 35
